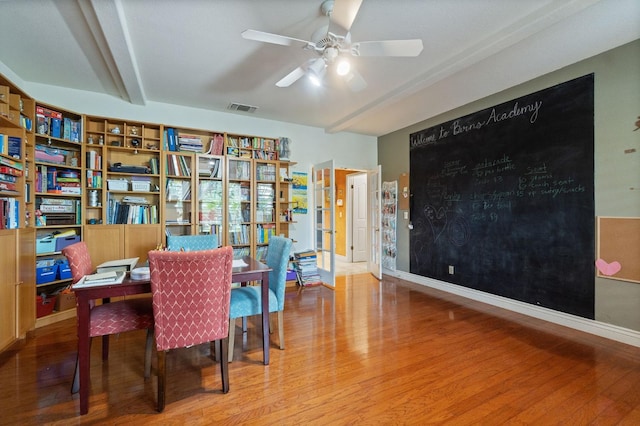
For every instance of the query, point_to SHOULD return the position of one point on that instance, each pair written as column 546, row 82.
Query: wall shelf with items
column 177, row 198
column 129, row 154
column 251, row 147
column 266, row 204
column 17, row 287
column 239, row 205
column 58, row 190
column 211, row 200
column 95, row 184
column 193, row 140
column 285, row 195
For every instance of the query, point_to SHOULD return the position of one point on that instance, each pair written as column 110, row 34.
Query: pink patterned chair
column 110, row 318
column 191, row 292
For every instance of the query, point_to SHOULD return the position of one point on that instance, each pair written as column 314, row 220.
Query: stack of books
column 306, row 268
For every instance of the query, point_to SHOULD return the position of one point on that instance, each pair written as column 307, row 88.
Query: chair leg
column 105, row 347
column 270, row 323
column 244, row 324
column 232, row 338
column 147, row 353
column 281, row 328
column 75, row 384
column 224, row 364
column 162, row 379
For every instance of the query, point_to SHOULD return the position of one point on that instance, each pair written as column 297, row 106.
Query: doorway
column 350, row 219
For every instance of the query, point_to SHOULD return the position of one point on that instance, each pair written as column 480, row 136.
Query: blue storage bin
column 45, row 244
column 62, row 242
column 46, row 271
column 64, row 270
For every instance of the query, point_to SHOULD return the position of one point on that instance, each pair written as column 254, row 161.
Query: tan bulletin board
column 619, row 241
column 403, row 196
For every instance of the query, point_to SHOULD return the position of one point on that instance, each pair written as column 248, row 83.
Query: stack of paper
column 103, row 278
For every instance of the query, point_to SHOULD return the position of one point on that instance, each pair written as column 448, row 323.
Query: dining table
column 250, row 270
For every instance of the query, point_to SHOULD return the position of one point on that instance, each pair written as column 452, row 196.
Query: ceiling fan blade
column 355, row 81
column 291, row 78
column 343, row 14
column 274, row 38
column 388, row 48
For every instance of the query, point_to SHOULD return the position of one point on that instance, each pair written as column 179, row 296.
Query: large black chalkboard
column 505, row 196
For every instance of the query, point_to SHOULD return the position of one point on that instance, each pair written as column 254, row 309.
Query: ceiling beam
column 107, row 24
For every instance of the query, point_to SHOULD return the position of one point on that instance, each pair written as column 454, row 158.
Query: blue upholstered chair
column 192, row 242
column 245, row 301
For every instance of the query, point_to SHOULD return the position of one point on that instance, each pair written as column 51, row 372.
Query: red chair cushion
column 121, row 316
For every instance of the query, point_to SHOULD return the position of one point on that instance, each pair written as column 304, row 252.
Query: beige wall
column 617, row 165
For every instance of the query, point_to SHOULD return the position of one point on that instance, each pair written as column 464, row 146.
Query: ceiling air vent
column 242, row 108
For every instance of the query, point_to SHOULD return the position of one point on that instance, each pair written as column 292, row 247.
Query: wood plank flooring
column 370, row 352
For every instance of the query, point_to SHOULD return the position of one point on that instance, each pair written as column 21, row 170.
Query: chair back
column 79, row 260
column 278, row 259
column 192, row 242
column 190, row 292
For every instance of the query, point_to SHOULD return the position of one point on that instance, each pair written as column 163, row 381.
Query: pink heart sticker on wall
column 608, row 268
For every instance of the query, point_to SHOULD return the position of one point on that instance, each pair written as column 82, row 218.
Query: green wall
column 617, row 169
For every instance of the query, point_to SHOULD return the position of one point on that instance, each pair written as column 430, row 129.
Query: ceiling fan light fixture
column 343, row 67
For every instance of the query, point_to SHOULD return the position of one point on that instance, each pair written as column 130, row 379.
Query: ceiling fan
column 334, row 46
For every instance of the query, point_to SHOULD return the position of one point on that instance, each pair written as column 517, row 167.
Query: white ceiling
column 191, row 53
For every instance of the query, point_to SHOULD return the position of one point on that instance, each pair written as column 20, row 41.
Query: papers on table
column 238, row 263
column 102, row 278
column 142, row 273
column 125, row 265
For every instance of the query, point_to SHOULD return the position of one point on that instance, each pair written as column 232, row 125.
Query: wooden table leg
column 83, row 353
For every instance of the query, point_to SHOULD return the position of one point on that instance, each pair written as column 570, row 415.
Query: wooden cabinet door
column 26, row 315
column 8, row 282
column 140, row 239
column 105, row 242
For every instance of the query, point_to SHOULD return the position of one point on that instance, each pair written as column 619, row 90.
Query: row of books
column 9, row 179
column 240, row 252
column 239, row 170
column 94, row 179
column 126, row 213
column 9, row 213
column 57, row 181
column 266, row 172
column 11, row 146
column 177, row 165
column 239, row 234
column 94, row 160
column 264, row 232
column 52, row 123
column 254, row 143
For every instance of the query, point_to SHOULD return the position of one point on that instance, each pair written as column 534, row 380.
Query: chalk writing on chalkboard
column 505, row 196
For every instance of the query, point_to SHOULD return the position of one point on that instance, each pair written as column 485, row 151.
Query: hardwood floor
column 367, row 353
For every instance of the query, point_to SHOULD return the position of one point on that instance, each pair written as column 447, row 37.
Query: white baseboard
column 609, row 331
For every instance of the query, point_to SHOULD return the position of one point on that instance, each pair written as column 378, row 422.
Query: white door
column 358, row 185
column 324, row 220
column 374, row 215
